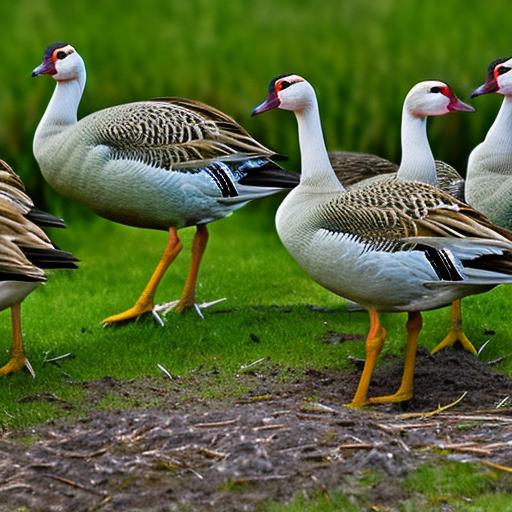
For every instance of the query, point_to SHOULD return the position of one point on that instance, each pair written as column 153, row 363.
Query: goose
column 25, row 251
column 357, row 170
column 489, row 173
column 394, row 246
column 163, row 164
column 354, row 169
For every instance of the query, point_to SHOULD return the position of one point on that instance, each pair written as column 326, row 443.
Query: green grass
column 268, row 292
column 444, row 486
column 361, row 55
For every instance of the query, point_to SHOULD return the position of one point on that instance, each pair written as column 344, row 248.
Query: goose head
column 287, row 92
column 433, row 98
column 499, row 78
column 61, row 61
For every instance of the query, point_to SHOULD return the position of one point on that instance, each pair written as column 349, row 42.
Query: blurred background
column 362, row 56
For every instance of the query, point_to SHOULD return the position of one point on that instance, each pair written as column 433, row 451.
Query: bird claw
column 163, row 309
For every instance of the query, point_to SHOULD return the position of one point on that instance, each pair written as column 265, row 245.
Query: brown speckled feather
column 352, row 168
column 174, row 133
column 389, row 213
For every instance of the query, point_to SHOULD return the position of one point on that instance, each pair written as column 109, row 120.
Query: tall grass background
column 362, row 56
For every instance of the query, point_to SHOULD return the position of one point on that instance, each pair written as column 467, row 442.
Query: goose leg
column 145, row 302
column 414, row 324
column 188, row 296
column 18, row 360
column 456, row 332
column 374, row 343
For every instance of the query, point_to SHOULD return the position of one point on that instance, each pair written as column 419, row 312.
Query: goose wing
column 449, row 180
column 13, row 189
column 409, row 216
column 351, row 167
column 173, row 133
column 356, row 168
column 25, row 249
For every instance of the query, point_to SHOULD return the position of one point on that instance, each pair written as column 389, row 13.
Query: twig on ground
column 482, row 348
column 499, row 359
column 74, row 484
column 165, row 371
column 278, row 426
column 435, row 411
column 101, row 504
column 251, row 365
column 506, row 469
column 359, row 446
column 211, row 454
column 317, row 407
column 215, row 424
column 501, row 403
column 258, row 478
column 59, row 358
column 77, row 455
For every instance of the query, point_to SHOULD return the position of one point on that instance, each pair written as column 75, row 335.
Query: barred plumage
column 162, row 164
column 361, row 169
column 397, row 244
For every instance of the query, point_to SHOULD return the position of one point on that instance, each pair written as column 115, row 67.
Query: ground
column 244, row 410
column 288, row 435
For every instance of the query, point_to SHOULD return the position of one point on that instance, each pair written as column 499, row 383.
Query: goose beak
column 486, row 88
column 456, row 105
column 46, row 68
column 270, row 103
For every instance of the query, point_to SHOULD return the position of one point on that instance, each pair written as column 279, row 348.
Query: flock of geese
column 388, row 237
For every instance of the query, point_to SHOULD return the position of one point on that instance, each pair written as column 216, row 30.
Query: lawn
column 267, row 312
column 362, row 56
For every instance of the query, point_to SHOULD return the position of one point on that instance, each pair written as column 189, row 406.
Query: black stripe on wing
column 219, row 172
column 441, row 262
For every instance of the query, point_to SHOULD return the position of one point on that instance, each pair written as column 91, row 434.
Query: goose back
column 362, row 169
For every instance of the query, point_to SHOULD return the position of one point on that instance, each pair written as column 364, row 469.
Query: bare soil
column 289, row 434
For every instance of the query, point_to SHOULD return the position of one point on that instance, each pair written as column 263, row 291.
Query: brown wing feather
column 352, row 168
column 390, row 212
column 174, row 133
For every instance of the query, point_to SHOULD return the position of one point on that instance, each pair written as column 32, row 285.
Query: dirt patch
column 290, row 433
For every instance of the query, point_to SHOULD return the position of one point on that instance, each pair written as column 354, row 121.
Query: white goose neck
column 63, row 107
column 499, row 135
column 317, row 172
column 417, row 162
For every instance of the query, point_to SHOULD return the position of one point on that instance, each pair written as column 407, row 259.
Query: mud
column 289, row 434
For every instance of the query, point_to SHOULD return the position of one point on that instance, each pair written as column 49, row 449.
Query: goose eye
column 435, row 89
column 61, row 55
column 283, row 84
column 502, row 70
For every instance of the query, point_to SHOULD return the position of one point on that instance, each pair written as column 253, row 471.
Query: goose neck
column 499, row 135
column 63, row 107
column 417, row 162
column 317, row 172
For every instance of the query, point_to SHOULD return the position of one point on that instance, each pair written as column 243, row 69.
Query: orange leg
column 188, row 296
column 18, row 360
column 414, row 324
column 145, row 302
column 456, row 332
column 374, row 343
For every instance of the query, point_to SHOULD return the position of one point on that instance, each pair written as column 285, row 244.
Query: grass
column 267, row 315
column 361, row 55
column 452, row 486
